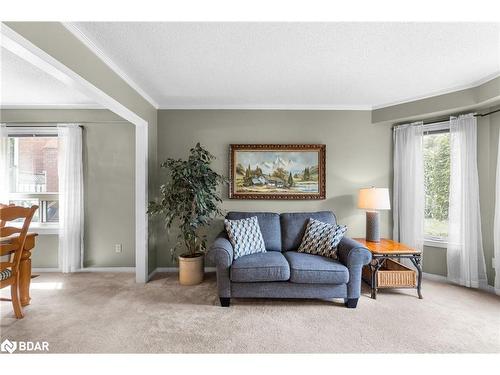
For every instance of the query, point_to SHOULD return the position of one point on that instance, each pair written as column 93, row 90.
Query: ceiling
column 295, row 65
column 24, row 85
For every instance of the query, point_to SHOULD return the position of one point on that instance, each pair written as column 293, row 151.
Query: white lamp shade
column 374, row 199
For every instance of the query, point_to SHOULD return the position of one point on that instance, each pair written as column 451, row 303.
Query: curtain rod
column 31, row 126
column 51, row 124
column 487, row 114
column 443, row 119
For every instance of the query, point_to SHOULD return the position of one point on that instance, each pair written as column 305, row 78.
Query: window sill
column 435, row 243
column 42, row 228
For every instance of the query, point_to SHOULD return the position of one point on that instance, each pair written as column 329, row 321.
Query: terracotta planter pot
column 191, row 269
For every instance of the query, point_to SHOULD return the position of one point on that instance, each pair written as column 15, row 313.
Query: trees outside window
column 437, row 181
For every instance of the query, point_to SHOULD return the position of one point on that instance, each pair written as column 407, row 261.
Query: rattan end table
column 396, row 275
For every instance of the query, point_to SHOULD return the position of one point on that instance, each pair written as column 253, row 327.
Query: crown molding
column 320, row 107
column 442, row 92
column 80, row 35
column 269, row 107
column 50, row 106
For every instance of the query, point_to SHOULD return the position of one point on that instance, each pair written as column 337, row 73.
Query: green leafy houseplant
column 190, row 198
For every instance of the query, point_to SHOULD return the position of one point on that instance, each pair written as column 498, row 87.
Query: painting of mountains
column 277, row 171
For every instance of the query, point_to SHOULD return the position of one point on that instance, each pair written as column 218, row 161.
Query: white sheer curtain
column 4, row 164
column 465, row 256
column 70, row 197
column 496, row 225
column 409, row 197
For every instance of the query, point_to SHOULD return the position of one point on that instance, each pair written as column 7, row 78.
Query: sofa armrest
column 221, row 251
column 354, row 256
column 352, row 253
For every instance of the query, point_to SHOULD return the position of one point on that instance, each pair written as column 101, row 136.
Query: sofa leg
column 351, row 303
column 225, row 302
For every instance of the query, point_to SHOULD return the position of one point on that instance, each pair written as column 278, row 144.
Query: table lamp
column 372, row 200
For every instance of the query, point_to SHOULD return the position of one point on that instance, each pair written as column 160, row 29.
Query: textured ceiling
column 281, row 65
column 22, row 84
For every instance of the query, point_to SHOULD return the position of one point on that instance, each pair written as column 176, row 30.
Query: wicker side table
column 385, row 272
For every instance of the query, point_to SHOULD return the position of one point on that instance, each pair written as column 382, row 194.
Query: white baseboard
column 45, row 269
column 173, row 269
column 491, row 289
column 86, row 269
column 176, row 269
column 107, row 269
column 166, row 269
column 428, row 276
column 487, row 288
column 434, row 277
column 151, row 274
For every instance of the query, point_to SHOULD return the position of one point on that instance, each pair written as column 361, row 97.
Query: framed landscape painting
column 277, row 171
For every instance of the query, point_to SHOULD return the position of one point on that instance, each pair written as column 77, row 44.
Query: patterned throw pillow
column 245, row 236
column 322, row 238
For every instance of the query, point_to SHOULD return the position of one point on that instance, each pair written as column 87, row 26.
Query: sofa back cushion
column 293, row 226
column 269, row 224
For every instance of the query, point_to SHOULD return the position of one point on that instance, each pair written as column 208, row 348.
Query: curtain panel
column 408, row 194
column 465, row 258
column 4, row 164
column 71, row 213
column 496, row 225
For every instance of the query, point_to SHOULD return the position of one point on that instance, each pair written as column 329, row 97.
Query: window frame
column 27, row 130
column 436, row 128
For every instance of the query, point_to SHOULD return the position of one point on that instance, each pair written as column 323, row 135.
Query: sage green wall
column 109, row 179
column 434, row 260
column 60, row 43
column 359, row 154
column 45, row 254
column 109, row 168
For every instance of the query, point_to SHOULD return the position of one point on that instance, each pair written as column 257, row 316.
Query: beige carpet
column 108, row 312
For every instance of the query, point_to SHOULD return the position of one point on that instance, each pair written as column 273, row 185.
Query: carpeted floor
column 108, row 313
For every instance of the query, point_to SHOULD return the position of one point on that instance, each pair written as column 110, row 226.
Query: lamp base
column 372, row 226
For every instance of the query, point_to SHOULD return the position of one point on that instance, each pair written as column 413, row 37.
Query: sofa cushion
column 270, row 266
column 269, row 224
column 322, row 238
column 245, row 236
column 315, row 269
column 293, row 226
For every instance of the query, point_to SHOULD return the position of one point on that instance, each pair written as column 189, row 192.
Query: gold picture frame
column 277, row 171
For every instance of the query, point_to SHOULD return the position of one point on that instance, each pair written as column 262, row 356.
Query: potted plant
column 190, row 200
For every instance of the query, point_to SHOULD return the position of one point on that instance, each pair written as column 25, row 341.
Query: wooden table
column 389, row 249
column 24, row 266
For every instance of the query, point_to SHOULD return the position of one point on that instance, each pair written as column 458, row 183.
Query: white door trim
column 23, row 48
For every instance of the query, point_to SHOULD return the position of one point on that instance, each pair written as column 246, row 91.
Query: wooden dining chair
column 2, row 223
column 12, row 244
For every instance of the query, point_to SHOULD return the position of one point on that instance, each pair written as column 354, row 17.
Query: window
column 33, row 172
column 437, row 180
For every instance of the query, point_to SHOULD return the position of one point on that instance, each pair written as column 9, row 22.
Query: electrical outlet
column 118, row 248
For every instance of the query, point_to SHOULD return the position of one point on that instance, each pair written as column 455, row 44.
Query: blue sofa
column 282, row 272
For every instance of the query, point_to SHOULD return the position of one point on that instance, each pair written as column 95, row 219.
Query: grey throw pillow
column 322, row 238
column 245, row 236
